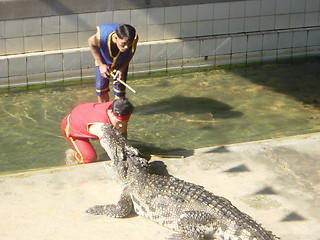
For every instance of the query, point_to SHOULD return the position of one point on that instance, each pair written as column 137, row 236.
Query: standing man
column 112, row 48
column 84, row 122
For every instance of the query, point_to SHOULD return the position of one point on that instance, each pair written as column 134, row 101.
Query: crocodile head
column 125, row 159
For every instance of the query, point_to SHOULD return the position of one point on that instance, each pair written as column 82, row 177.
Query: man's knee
column 86, row 157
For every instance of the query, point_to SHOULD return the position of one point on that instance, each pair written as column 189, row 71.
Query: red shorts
column 85, row 151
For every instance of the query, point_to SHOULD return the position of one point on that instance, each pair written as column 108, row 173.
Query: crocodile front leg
column 193, row 225
column 122, row 209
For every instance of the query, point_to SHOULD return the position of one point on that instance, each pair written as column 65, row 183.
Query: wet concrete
column 275, row 181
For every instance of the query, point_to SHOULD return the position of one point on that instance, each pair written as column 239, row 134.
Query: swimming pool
column 172, row 112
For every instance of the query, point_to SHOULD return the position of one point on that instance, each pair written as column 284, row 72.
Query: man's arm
column 94, row 48
column 96, row 129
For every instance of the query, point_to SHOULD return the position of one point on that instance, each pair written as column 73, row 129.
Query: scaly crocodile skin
column 187, row 208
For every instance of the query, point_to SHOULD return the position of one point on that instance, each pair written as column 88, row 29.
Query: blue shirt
column 104, row 36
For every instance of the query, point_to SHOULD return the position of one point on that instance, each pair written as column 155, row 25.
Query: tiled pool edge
column 22, row 70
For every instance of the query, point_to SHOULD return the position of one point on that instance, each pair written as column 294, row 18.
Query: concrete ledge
column 275, row 181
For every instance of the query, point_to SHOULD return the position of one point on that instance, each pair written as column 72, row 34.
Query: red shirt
column 83, row 116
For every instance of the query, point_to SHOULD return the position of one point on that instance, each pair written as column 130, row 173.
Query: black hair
column 122, row 107
column 126, row 31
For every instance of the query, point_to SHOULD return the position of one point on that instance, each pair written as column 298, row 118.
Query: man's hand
column 104, row 70
column 118, row 74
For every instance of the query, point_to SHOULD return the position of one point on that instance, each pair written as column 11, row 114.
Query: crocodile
column 189, row 209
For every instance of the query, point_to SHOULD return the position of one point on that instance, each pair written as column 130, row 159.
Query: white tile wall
column 53, row 62
column 158, row 52
column 51, row 42
column 143, row 54
column 38, row 78
column 122, row 16
column 269, row 55
column 237, row 9
column 221, row 26
column 4, row 82
column 172, row 30
column 311, row 19
column 297, row 20
column 285, row 39
column 50, row 25
column 2, row 47
column 188, row 29
column 235, row 25
column 4, row 67
column 299, row 52
column 238, row 58
column 69, row 40
column 207, row 47
column 13, row 28
column 267, row 23
column 71, row 60
column 221, row 10
column 32, row 27
column 204, row 28
column 86, row 21
column 189, row 13
column 205, row 12
column 234, row 30
column 54, row 77
column 155, row 32
column 298, row 6
column 252, row 24
column 299, row 38
column 255, row 42
column 175, row 50
column 314, row 37
column 68, row 23
column 155, row 16
column 223, row 45
column 253, row 8
column 270, row 41
column 17, row 66
column 104, row 17
column 172, row 14
column 14, row 45
column 191, row 49
column 268, row 7
column 239, row 44
column 283, row 6
column 33, row 44
column 143, row 33
column 254, row 57
column 20, row 81
column 282, row 21
column 139, row 17
column 284, row 54
column 83, row 38
column 2, row 35
column 86, row 59
column 35, row 64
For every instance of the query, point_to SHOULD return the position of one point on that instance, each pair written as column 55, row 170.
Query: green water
column 173, row 112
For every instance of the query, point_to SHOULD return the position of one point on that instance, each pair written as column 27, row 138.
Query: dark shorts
column 102, row 85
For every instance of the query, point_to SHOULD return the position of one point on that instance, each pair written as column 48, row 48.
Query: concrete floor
column 275, row 181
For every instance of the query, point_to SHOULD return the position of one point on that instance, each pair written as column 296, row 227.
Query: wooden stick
column 166, row 156
column 122, row 82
